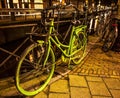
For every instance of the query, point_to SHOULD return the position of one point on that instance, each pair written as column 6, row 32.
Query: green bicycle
column 38, row 61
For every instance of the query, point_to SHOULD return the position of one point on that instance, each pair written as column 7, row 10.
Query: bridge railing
column 13, row 14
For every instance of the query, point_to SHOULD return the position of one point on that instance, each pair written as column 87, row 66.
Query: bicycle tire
column 109, row 41
column 80, row 43
column 100, row 28
column 33, row 74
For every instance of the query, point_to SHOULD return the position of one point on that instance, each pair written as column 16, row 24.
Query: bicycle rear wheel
column 79, row 47
column 31, row 76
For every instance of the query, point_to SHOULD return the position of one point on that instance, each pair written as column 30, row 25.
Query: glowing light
column 60, row 1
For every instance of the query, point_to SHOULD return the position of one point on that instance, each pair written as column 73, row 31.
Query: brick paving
column 99, row 63
column 77, row 86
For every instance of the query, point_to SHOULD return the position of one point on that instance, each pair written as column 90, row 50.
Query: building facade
column 36, row 4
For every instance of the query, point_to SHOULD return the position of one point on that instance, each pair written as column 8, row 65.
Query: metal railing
column 13, row 14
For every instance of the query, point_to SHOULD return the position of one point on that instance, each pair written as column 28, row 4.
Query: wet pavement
column 98, row 76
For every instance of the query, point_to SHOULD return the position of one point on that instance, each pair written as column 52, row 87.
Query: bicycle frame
column 67, row 53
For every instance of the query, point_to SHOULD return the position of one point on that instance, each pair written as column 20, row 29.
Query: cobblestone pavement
column 97, row 77
column 98, row 63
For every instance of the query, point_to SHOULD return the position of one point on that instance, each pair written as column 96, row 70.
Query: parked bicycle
column 103, row 23
column 37, row 63
column 111, row 36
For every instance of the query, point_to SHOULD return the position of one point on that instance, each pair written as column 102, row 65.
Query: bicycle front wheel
column 79, row 47
column 31, row 76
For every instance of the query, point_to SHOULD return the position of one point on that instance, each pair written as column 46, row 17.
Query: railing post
column 12, row 13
